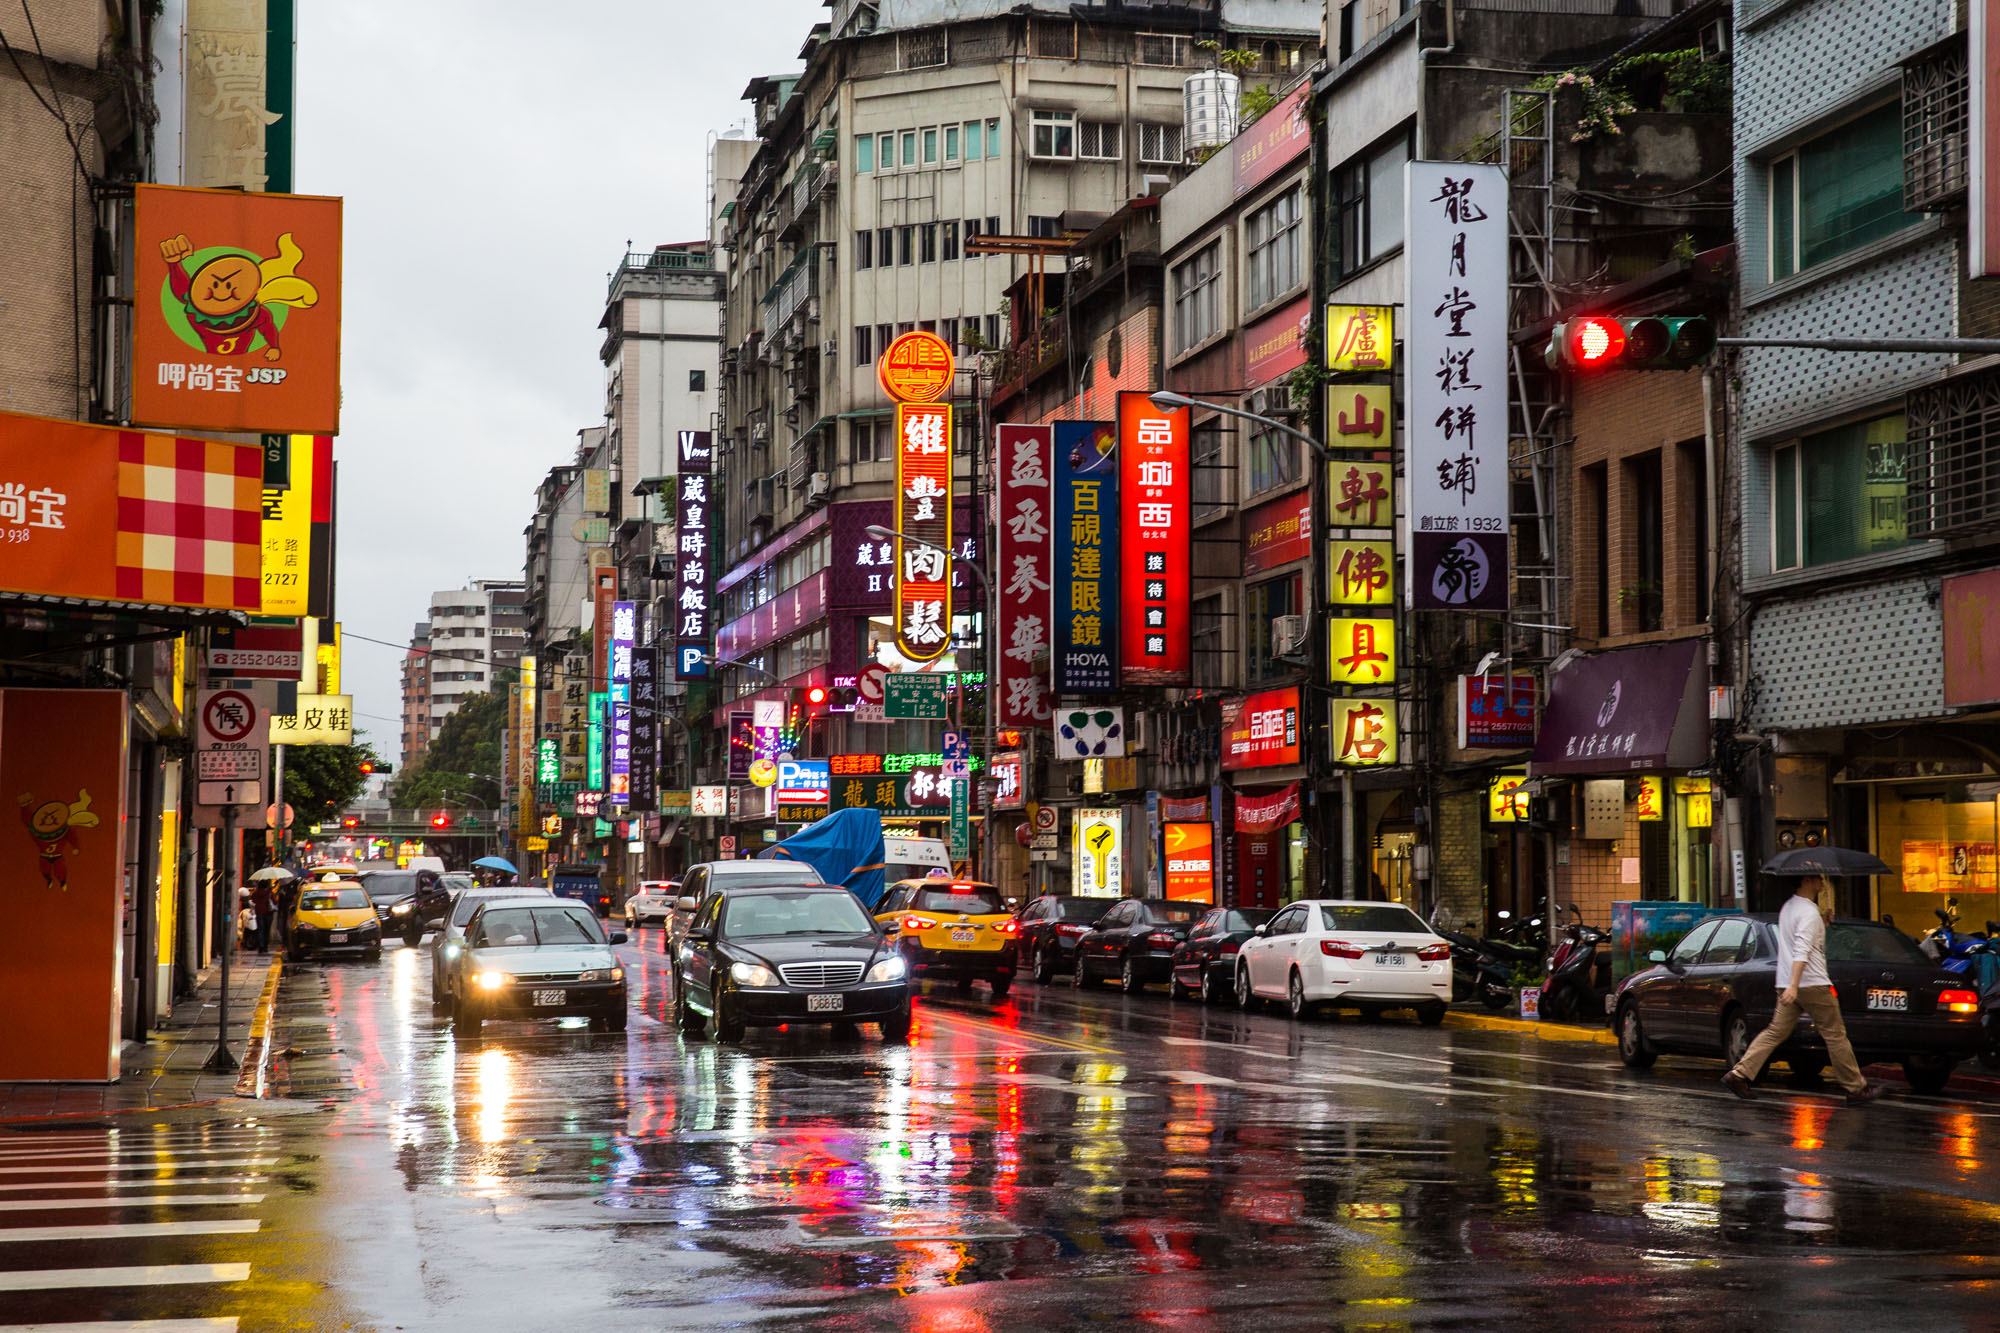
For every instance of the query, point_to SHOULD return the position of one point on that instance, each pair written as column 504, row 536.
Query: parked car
column 653, row 902
column 532, row 957
column 761, row 955
column 333, row 915
column 1348, row 953
column 451, row 938
column 703, row 880
column 958, row 929
column 1205, row 962
column 1050, row 927
column 1718, row 989
column 409, row 900
column 1135, row 942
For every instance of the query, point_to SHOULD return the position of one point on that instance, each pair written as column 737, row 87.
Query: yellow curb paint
column 1540, row 1031
column 255, row 1075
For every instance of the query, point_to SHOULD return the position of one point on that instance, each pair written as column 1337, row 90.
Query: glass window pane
column 1784, row 230
column 972, row 128
column 909, row 148
column 1385, row 198
column 864, row 153
column 1854, row 484
column 930, row 147
column 1851, row 186
column 886, row 145
column 951, row 143
column 1785, row 507
column 993, row 137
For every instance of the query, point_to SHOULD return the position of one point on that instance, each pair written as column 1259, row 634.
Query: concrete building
column 475, row 633
column 416, row 733
column 1868, row 511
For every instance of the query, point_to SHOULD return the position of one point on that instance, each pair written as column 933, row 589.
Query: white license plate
column 962, row 934
column 1392, row 960
column 338, row 937
column 551, row 997
column 1895, row 1001
column 825, row 1004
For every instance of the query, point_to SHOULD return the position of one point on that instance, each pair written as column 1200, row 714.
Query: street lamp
column 1167, row 400
column 881, row 533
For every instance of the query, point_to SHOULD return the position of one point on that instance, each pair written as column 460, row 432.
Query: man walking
column 262, row 904
column 1804, row 986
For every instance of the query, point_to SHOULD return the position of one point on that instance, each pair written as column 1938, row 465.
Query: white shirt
column 1802, row 935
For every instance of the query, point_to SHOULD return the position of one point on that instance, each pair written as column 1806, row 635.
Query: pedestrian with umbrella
column 1803, row 984
column 495, row 870
column 281, row 889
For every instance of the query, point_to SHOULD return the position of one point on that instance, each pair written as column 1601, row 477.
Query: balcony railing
column 1953, row 461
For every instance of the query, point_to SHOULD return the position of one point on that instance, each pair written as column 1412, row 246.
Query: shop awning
column 1629, row 710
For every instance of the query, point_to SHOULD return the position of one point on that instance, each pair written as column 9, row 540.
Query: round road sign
column 229, row 716
column 869, row 682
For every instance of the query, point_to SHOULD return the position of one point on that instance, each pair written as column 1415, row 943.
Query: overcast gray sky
column 494, row 164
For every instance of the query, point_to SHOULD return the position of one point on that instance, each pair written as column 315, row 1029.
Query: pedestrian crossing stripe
column 130, row 1230
column 148, row 1275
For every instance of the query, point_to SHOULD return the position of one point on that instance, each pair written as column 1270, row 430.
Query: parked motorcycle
column 1577, row 981
column 1947, row 945
column 1476, row 971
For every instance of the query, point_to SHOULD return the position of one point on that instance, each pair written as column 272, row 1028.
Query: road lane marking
column 149, row 1275
column 144, row 1201
column 965, row 1024
column 218, row 1324
column 130, row 1230
column 144, row 1183
column 117, row 1170
column 1555, row 1088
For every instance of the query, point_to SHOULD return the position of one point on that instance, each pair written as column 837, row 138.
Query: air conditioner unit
column 761, row 433
column 819, row 487
column 1152, row 185
column 1288, row 636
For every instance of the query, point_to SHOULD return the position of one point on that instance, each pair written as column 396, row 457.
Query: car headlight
column 401, row 909
column 752, row 974
column 892, row 968
column 618, row 974
column 492, row 980
column 590, row 976
column 451, row 951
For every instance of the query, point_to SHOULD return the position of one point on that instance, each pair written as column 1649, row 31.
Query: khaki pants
column 1817, row 1001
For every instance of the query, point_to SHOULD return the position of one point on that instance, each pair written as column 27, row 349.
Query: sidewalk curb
column 1522, row 1027
column 255, row 1077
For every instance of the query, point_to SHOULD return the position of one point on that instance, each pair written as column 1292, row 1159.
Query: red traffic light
column 350, row 822
column 1594, row 342
column 816, row 696
column 440, row 820
column 367, row 766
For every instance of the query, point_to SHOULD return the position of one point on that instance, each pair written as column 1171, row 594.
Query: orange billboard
column 916, row 368
column 1190, row 858
column 129, row 516
column 62, row 770
column 236, row 311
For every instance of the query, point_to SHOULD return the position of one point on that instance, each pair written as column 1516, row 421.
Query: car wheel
column 1928, row 1073
column 1043, row 966
column 1246, row 999
column 1735, row 1036
column 1128, row 978
column 690, row 1021
column 1495, row 998
column 1431, row 1015
column 896, row 1028
column 1633, row 1048
column 465, row 1021
column 1080, row 977
column 1559, row 1005
column 1212, row 992
column 1176, row 990
column 615, row 1020
column 961, row 984
column 1371, row 1013
column 1001, row 985
column 1296, row 1003
column 728, row 1025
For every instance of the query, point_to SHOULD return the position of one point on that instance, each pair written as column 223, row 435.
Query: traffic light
column 1648, row 342
column 371, row 767
column 440, row 820
column 350, row 821
column 814, row 697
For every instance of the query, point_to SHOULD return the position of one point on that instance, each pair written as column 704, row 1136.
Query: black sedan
column 1205, row 962
column 1718, row 989
column 1135, row 942
column 791, row 954
column 1050, row 927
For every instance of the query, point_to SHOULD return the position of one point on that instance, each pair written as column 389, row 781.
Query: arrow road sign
column 229, row 793
column 230, row 744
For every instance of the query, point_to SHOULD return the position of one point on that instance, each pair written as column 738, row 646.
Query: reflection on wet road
column 1063, row 1158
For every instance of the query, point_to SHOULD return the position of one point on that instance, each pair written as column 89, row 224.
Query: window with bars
column 1208, row 630
column 1164, row 48
column 1953, row 459
column 1052, row 135
column 864, row 248
column 1214, row 478
column 925, row 48
column 1159, row 144
column 1099, row 140
column 871, row 441
column 864, row 345
column 1054, row 39
column 950, row 234
column 1936, row 87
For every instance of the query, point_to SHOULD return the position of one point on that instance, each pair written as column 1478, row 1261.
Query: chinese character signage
column 1277, row 532
column 1457, row 387
column 604, row 595
column 916, row 368
column 1261, row 730
column 694, row 539
column 1360, row 338
column 1361, row 493
column 298, row 529
column 1280, row 136
column 923, row 512
column 1275, row 345
column 594, row 769
column 235, row 310
column 1362, row 650
column 1649, row 798
column 1023, row 571
column 548, row 761
column 1496, row 712
column 1190, row 855
column 1086, row 557
column 709, row 802
column 1009, row 790
column 919, row 793
column 624, row 634
column 1154, row 519
column 123, row 516
column 1361, row 573
column 646, row 730
column 1100, row 856
column 321, row 719
column 1364, row 732
column 1507, row 799
column 527, row 691
column 1360, row 416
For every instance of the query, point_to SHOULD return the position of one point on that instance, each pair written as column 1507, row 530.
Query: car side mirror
column 1657, row 956
column 1264, row 929
column 618, row 937
column 700, row 936
column 683, row 904
column 892, row 928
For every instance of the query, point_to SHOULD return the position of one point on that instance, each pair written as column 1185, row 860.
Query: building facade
column 416, row 733
column 475, row 633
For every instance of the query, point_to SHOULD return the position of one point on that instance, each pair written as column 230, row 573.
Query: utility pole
column 220, row 1061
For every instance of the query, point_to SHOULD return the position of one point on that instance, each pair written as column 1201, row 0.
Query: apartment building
column 416, row 734
column 475, row 633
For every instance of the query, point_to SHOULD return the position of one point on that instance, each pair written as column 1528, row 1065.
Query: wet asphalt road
column 1060, row 1160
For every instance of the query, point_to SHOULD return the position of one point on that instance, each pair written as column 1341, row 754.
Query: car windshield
column 971, row 901
column 332, row 900
column 760, row 915
column 456, row 883
column 514, row 927
column 390, row 885
column 1865, row 942
column 1083, row 909
column 1248, row 918
column 1371, row 916
column 468, row 903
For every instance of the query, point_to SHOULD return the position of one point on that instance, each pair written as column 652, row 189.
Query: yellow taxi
column 955, row 928
column 333, row 915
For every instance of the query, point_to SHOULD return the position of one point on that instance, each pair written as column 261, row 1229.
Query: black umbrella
column 1802, row 861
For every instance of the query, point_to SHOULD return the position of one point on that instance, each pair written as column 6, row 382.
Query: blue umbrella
column 495, row 863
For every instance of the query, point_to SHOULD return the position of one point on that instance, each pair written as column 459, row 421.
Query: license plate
column 1896, row 1001
column 338, row 937
column 961, row 934
column 1392, row 960
column 551, row 997
column 825, row 1004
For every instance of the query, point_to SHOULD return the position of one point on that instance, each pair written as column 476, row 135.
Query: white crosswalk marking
column 148, row 1275
column 141, row 1201
column 220, row 1324
column 143, row 1183
column 136, row 1166
column 130, row 1230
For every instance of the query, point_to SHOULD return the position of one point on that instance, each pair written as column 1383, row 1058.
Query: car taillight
column 1958, row 1001
column 1071, row 928
column 1229, row 947
column 1434, row 953
column 1161, row 939
column 1009, row 927
column 1340, row 949
column 917, row 923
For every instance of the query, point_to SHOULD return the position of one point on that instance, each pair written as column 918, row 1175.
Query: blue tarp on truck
column 845, row 848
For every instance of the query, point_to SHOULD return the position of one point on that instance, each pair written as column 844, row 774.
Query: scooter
column 1475, row 972
column 1948, row 948
column 1517, row 941
column 1578, row 980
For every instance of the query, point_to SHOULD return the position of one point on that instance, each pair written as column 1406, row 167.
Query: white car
column 451, row 937
column 653, row 902
column 1346, row 952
